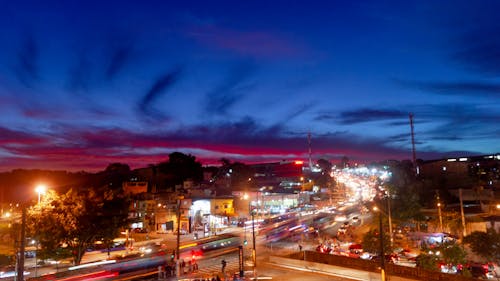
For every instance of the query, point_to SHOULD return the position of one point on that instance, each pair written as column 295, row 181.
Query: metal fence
column 374, row 266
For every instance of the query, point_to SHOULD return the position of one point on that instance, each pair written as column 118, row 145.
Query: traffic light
column 172, row 256
column 245, row 242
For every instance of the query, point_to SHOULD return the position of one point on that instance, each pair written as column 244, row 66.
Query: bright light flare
column 41, row 189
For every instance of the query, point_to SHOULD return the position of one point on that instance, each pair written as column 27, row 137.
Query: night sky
column 88, row 83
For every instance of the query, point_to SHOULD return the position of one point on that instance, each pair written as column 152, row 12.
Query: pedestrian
column 160, row 272
column 224, row 263
column 190, row 266
column 300, row 248
column 182, row 265
column 195, row 265
column 168, row 270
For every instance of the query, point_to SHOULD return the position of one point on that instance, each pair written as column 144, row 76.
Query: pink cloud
column 250, row 43
column 92, row 150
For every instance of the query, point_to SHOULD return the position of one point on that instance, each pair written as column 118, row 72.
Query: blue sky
column 87, row 83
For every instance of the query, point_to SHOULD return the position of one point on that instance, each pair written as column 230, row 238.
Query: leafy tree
column 325, row 165
column 447, row 252
column 453, row 253
column 323, row 178
column 235, row 175
column 115, row 174
column 371, row 242
column 427, row 261
column 179, row 168
column 404, row 191
column 485, row 244
column 76, row 220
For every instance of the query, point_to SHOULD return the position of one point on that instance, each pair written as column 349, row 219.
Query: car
column 355, row 219
column 342, row 229
column 340, row 218
column 483, row 271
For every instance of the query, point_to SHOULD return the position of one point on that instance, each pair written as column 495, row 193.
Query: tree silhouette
column 77, row 219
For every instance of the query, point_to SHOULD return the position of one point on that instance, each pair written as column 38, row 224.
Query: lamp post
column 40, row 189
column 254, row 252
column 382, row 254
column 382, row 246
column 246, row 197
column 391, row 235
column 440, row 217
column 177, row 253
column 439, row 212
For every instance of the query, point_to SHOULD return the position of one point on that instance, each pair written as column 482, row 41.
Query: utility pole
column 390, row 220
column 22, row 244
column 464, row 231
column 382, row 254
column 254, row 254
column 177, row 253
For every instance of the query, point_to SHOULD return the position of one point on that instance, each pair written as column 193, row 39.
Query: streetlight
column 254, row 252
column 40, row 189
column 252, row 213
column 439, row 212
column 177, row 253
column 381, row 237
column 440, row 217
column 246, row 197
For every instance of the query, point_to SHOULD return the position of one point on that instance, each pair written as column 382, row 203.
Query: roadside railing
column 373, row 266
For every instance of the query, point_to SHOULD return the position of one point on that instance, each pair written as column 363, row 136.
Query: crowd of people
column 169, row 269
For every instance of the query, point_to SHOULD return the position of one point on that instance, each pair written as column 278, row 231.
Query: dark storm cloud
column 361, row 115
column 26, row 68
column 157, row 89
column 470, row 88
column 230, row 90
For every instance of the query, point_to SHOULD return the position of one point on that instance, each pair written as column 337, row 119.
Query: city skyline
column 86, row 84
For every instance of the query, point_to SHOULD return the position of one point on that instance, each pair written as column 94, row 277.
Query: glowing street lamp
column 381, row 238
column 40, row 189
column 440, row 217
